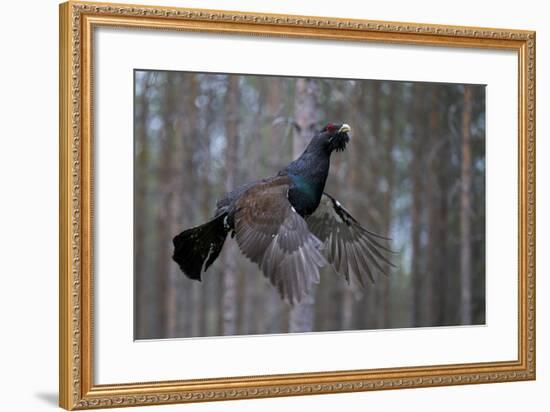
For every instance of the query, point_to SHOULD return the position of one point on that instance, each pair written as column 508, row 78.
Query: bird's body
column 308, row 175
column 287, row 225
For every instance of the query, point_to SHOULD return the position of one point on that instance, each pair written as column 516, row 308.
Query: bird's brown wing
column 348, row 246
column 272, row 234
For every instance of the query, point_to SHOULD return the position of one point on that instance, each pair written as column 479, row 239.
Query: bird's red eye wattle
column 329, row 127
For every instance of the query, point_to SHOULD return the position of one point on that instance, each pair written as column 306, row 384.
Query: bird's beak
column 344, row 128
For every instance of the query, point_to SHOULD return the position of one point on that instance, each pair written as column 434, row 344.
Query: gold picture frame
column 76, row 385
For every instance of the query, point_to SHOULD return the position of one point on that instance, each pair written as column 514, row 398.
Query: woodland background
column 414, row 170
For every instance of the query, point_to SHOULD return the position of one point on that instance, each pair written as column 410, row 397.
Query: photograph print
column 276, row 204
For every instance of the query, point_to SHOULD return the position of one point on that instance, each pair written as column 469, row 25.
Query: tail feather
column 197, row 248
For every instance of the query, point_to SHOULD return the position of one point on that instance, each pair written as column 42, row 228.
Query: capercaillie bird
column 289, row 226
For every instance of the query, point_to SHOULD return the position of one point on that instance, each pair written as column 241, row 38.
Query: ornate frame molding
column 77, row 21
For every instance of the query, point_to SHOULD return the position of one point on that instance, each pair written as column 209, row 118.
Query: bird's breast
column 305, row 195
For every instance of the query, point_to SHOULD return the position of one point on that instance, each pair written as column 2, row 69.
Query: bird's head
column 335, row 136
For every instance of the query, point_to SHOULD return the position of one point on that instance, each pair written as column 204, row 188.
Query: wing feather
column 273, row 235
column 352, row 250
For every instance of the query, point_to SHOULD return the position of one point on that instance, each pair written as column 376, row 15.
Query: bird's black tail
column 199, row 246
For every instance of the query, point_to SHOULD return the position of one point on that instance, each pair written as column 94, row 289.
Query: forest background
column 414, row 171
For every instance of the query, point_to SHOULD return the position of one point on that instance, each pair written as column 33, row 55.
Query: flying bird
column 289, row 227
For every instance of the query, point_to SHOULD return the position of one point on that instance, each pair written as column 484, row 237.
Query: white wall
column 28, row 218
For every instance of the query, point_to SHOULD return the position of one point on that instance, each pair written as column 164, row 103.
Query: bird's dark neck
column 313, row 163
column 308, row 174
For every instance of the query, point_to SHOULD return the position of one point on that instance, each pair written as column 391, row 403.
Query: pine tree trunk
column 416, row 206
column 164, row 213
column 305, row 115
column 465, row 207
column 208, row 299
column 229, row 294
column 373, row 293
column 433, row 207
column 350, row 191
column 444, row 233
column 143, row 321
column 275, row 322
column 388, row 202
column 176, row 180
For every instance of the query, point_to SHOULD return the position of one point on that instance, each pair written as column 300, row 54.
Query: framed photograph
column 259, row 205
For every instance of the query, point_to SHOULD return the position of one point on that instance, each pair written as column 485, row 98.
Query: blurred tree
column 418, row 122
column 465, row 211
column 276, row 123
column 433, row 153
column 143, row 294
column 388, row 192
column 374, row 306
column 164, row 214
column 230, row 252
column 305, row 116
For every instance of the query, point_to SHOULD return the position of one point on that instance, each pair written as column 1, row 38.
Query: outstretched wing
column 272, row 234
column 348, row 246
